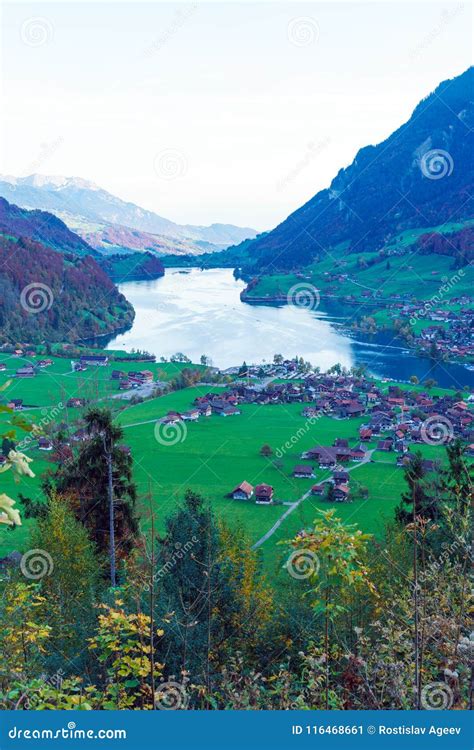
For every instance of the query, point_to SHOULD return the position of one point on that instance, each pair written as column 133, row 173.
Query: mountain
column 41, row 226
column 420, row 176
column 106, row 221
column 51, row 295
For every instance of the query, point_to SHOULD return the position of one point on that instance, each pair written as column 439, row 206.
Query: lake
column 199, row 312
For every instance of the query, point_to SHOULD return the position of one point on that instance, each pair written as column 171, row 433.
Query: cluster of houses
column 29, row 370
column 401, row 413
column 223, row 405
column 132, row 379
column 263, row 493
column 452, row 332
column 395, row 421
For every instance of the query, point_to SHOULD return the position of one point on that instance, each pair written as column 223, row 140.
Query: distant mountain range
column 421, row 176
column 111, row 225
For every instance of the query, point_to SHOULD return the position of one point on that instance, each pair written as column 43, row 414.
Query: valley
column 213, row 454
column 237, row 466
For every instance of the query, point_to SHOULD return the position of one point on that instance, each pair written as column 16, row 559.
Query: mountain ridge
column 42, row 227
column 387, row 187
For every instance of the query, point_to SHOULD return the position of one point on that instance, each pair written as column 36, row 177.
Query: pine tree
column 99, row 483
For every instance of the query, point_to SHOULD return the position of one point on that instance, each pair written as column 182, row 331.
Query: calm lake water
column 199, row 312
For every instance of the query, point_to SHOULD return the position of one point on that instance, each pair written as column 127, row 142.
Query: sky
column 216, row 112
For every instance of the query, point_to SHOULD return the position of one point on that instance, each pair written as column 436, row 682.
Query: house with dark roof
column 303, row 472
column 358, row 453
column 44, row 444
column 340, row 477
column 341, row 493
column 264, row 493
column 229, row 411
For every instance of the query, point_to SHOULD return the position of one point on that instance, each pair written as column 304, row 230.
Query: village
column 394, row 420
column 397, row 420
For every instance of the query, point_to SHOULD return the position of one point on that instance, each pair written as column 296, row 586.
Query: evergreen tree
column 192, row 586
column 98, row 481
column 418, row 500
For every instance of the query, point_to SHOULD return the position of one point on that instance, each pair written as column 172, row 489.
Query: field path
column 136, row 424
column 294, row 505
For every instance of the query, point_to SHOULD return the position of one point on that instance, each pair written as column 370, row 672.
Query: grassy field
column 45, row 397
column 214, row 455
column 210, row 456
column 409, row 275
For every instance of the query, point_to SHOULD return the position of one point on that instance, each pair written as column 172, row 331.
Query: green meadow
column 411, row 275
column 210, row 456
column 215, row 454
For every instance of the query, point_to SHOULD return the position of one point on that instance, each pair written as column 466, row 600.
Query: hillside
column 420, row 176
column 133, row 267
column 104, row 219
column 42, row 227
column 46, row 295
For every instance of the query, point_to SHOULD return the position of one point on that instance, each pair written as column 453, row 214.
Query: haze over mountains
column 420, row 176
column 112, row 225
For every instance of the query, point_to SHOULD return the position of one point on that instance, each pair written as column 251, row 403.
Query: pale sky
column 216, row 112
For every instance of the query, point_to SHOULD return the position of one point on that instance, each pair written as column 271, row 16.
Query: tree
column 193, row 587
column 278, row 359
column 70, row 584
column 99, row 483
column 23, row 635
column 248, row 608
column 7, row 446
column 330, row 493
column 457, row 479
column 266, row 450
column 243, row 370
column 417, row 500
column 334, row 554
column 122, row 644
column 414, row 380
column 429, row 383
